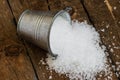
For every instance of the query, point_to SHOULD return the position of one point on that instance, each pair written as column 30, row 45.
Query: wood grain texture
column 36, row 54
column 103, row 19
column 12, row 67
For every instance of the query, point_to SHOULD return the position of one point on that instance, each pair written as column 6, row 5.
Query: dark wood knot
column 13, row 50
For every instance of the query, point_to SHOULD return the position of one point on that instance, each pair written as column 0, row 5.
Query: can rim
column 55, row 16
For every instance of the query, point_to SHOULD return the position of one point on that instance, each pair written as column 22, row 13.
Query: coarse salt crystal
column 79, row 54
column 103, row 30
column 113, row 44
column 109, row 46
column 111, row 50
column 113, row 37
column 107, row 26
column 50, row 77
column 117, row 56
column 115, row 8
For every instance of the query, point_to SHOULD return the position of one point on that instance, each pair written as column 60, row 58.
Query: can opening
column 64, row 14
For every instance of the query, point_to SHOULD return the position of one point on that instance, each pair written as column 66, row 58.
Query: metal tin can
column 35, row 26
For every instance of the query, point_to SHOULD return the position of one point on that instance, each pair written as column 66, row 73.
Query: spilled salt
column 79, row 54
column 103, row 30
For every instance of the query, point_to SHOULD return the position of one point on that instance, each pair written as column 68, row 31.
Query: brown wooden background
column 103, row 14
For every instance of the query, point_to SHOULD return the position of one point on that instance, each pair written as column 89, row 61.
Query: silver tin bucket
column 35, row 26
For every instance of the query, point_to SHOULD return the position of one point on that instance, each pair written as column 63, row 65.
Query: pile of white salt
column 80, row 55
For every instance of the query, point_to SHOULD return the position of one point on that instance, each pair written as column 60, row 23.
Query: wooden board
column 36, row 54
column 12, row 67
column 103, row 18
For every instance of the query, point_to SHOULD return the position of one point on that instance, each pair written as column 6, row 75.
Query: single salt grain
column 113, row 66
column 107, row 26
column 118, row 69
column 103, row 37
column 117, row 56
column 109, row 46
column 111, row 50
column 110, row 60
column 113, row 37
column 100, row 75
column 79, row 54
column 109, row 78
column 119, row 22
column 115, row 8
column 103, row 30
column 50, row 77
column 113, row 44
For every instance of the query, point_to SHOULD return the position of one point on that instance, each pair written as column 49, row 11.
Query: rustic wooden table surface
column 20, row 60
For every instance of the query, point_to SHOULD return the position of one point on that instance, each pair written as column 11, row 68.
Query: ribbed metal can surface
column 35, row 26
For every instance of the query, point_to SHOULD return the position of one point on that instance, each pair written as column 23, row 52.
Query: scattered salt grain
column 109, row 46
column 119, row 22
column 103, row 30
column 115, row 8
column 117, row 74
column 118, row 69
column 113, row 37
column 113, row 44
column 103, row 37
column 110, row 60
column 113, row 66
column 79, row 54
column 117, row 56
column 117, row 63
column 109, row 78
column 50, row 77
column 107, row 26
column 111, row 50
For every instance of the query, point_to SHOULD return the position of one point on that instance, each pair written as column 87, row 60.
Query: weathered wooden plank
column 12, row 67
column 77, row 12
column 104, row 19
column 36, row 53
